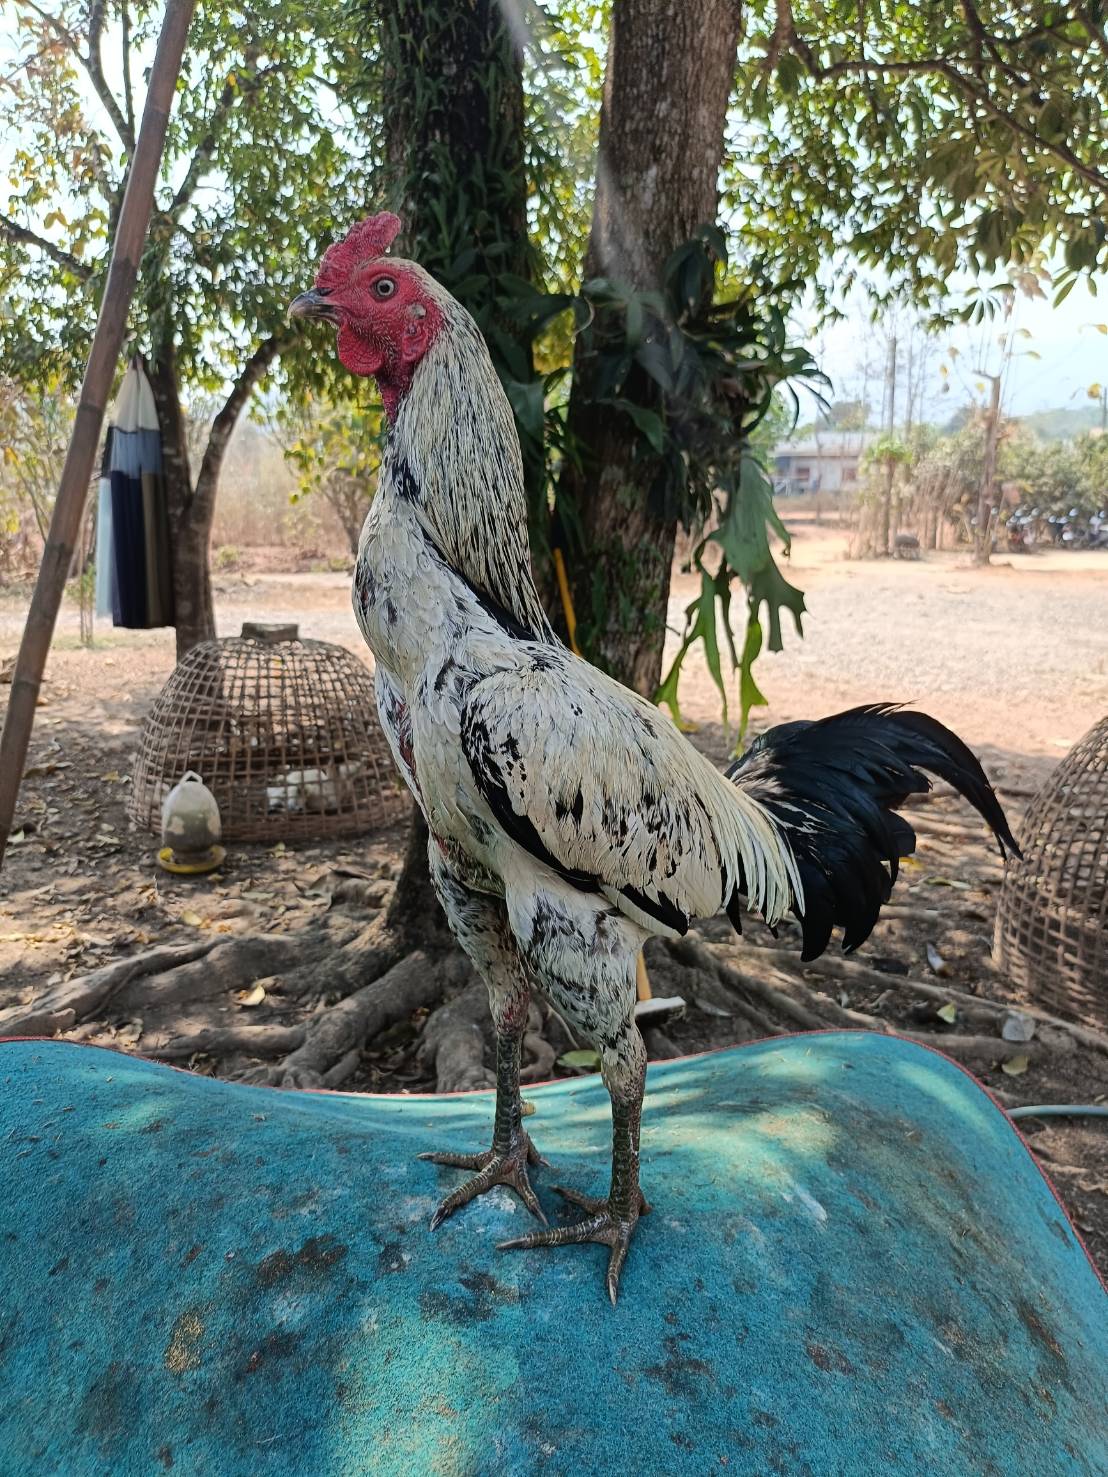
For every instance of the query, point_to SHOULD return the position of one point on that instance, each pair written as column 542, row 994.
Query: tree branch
column 243, row 89
column 936, row 66
column 252, row 372
column 1059, row 150
column 128, row 98
column 1095, row 30
column 95, row 69
column 15, row 232
column 91, row 62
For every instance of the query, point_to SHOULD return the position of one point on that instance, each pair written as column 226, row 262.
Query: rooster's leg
column 512, row 1150
column 610, row 1221
column 480, row 924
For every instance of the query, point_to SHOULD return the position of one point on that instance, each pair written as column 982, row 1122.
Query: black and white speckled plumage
column 569, row 819
column 540, row 777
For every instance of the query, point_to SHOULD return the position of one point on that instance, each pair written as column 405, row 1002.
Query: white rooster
column 569, row 820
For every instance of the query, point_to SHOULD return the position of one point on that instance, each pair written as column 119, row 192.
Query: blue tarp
column 853, row 1266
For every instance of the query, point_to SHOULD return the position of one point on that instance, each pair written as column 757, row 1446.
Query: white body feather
column 477, row 695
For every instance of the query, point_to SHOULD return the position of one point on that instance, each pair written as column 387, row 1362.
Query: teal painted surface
column 852, row 1267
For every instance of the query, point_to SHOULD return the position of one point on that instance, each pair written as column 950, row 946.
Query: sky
column 1073, row 354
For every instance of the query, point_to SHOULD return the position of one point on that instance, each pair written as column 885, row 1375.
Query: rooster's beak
column 312, row 304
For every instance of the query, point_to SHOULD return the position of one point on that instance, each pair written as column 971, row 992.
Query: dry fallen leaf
column 251, row 997
column 587, row 1061
column 193, row 920
column 948, row 1013
column 1016, row 1066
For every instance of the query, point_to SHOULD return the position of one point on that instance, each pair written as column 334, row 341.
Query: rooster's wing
column 592, row 780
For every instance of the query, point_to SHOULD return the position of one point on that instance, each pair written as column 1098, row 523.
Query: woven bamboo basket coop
column 283, row 731
column 1052, row 922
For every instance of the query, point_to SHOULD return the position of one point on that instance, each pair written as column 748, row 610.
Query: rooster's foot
column 493, row 1168
column 609, row 1227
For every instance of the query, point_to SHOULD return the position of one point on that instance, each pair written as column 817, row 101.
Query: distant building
column 827, row 462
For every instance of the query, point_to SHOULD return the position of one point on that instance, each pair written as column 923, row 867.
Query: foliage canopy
column 238, row 222
column 923, row 140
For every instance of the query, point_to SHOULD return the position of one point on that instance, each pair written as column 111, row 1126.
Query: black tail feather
column 835, row 785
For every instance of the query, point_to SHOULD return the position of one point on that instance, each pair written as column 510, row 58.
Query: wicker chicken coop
column 1052, row 922
column 283, row 731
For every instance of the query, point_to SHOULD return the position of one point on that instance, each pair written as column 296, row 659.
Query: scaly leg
column 612, row 1220
column 480, row 923
column 512, row 1150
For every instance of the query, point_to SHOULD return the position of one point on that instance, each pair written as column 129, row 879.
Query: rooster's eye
column 384, row 287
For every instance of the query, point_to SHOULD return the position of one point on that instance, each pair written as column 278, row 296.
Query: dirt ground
column 1014, row 657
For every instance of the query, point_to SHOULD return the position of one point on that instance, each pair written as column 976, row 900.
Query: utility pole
column 885, row 539
column 987, row 498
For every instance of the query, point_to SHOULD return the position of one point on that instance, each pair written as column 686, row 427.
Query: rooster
column 569, row 820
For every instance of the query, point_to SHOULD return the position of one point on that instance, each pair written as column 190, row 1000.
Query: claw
column 493, row 1168
column 594, row 1203
column 457, row 1161
column 602, row 1225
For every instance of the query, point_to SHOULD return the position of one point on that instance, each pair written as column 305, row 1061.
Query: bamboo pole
column 65, row 523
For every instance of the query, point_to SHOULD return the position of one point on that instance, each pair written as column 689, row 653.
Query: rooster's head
column 386, row 309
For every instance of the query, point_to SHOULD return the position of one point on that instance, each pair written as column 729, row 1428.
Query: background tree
column 335, row 450
column 452, row 100
column 258, row 168
column 34, row 433
column 656, row 183
column 921, row 140
column 449, row 83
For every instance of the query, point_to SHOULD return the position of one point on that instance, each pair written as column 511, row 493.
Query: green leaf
column 706, row 630
column 750, row 695
column 589, row 1060
column 666, row 694
column 1015, row 1066
column 649, row 422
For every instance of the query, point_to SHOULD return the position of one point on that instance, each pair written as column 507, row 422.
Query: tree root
column 689, row 951
column 980, row 1005
column 964, row 831
column 79, row 998
column 543, row 1056
column 267, row 1040
column 816, row 1012
column 334, row 1035
column 454, row 1041
column 233, row 964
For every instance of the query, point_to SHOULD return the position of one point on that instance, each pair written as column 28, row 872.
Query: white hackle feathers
column 521, row 753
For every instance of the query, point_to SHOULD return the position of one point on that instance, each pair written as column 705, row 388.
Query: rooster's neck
column 453, row 455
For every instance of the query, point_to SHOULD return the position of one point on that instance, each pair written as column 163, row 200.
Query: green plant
column 227, row 557
column 697, row 369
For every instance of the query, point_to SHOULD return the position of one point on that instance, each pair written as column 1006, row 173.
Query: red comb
column 362, row 243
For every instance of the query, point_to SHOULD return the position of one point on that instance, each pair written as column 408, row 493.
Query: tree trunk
column 454, row 114
column 666, row 90
column 194, row 617
column 987, row 498
column 884, row 538
column 415, row 919
column 192, row 507
column 454, row 133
